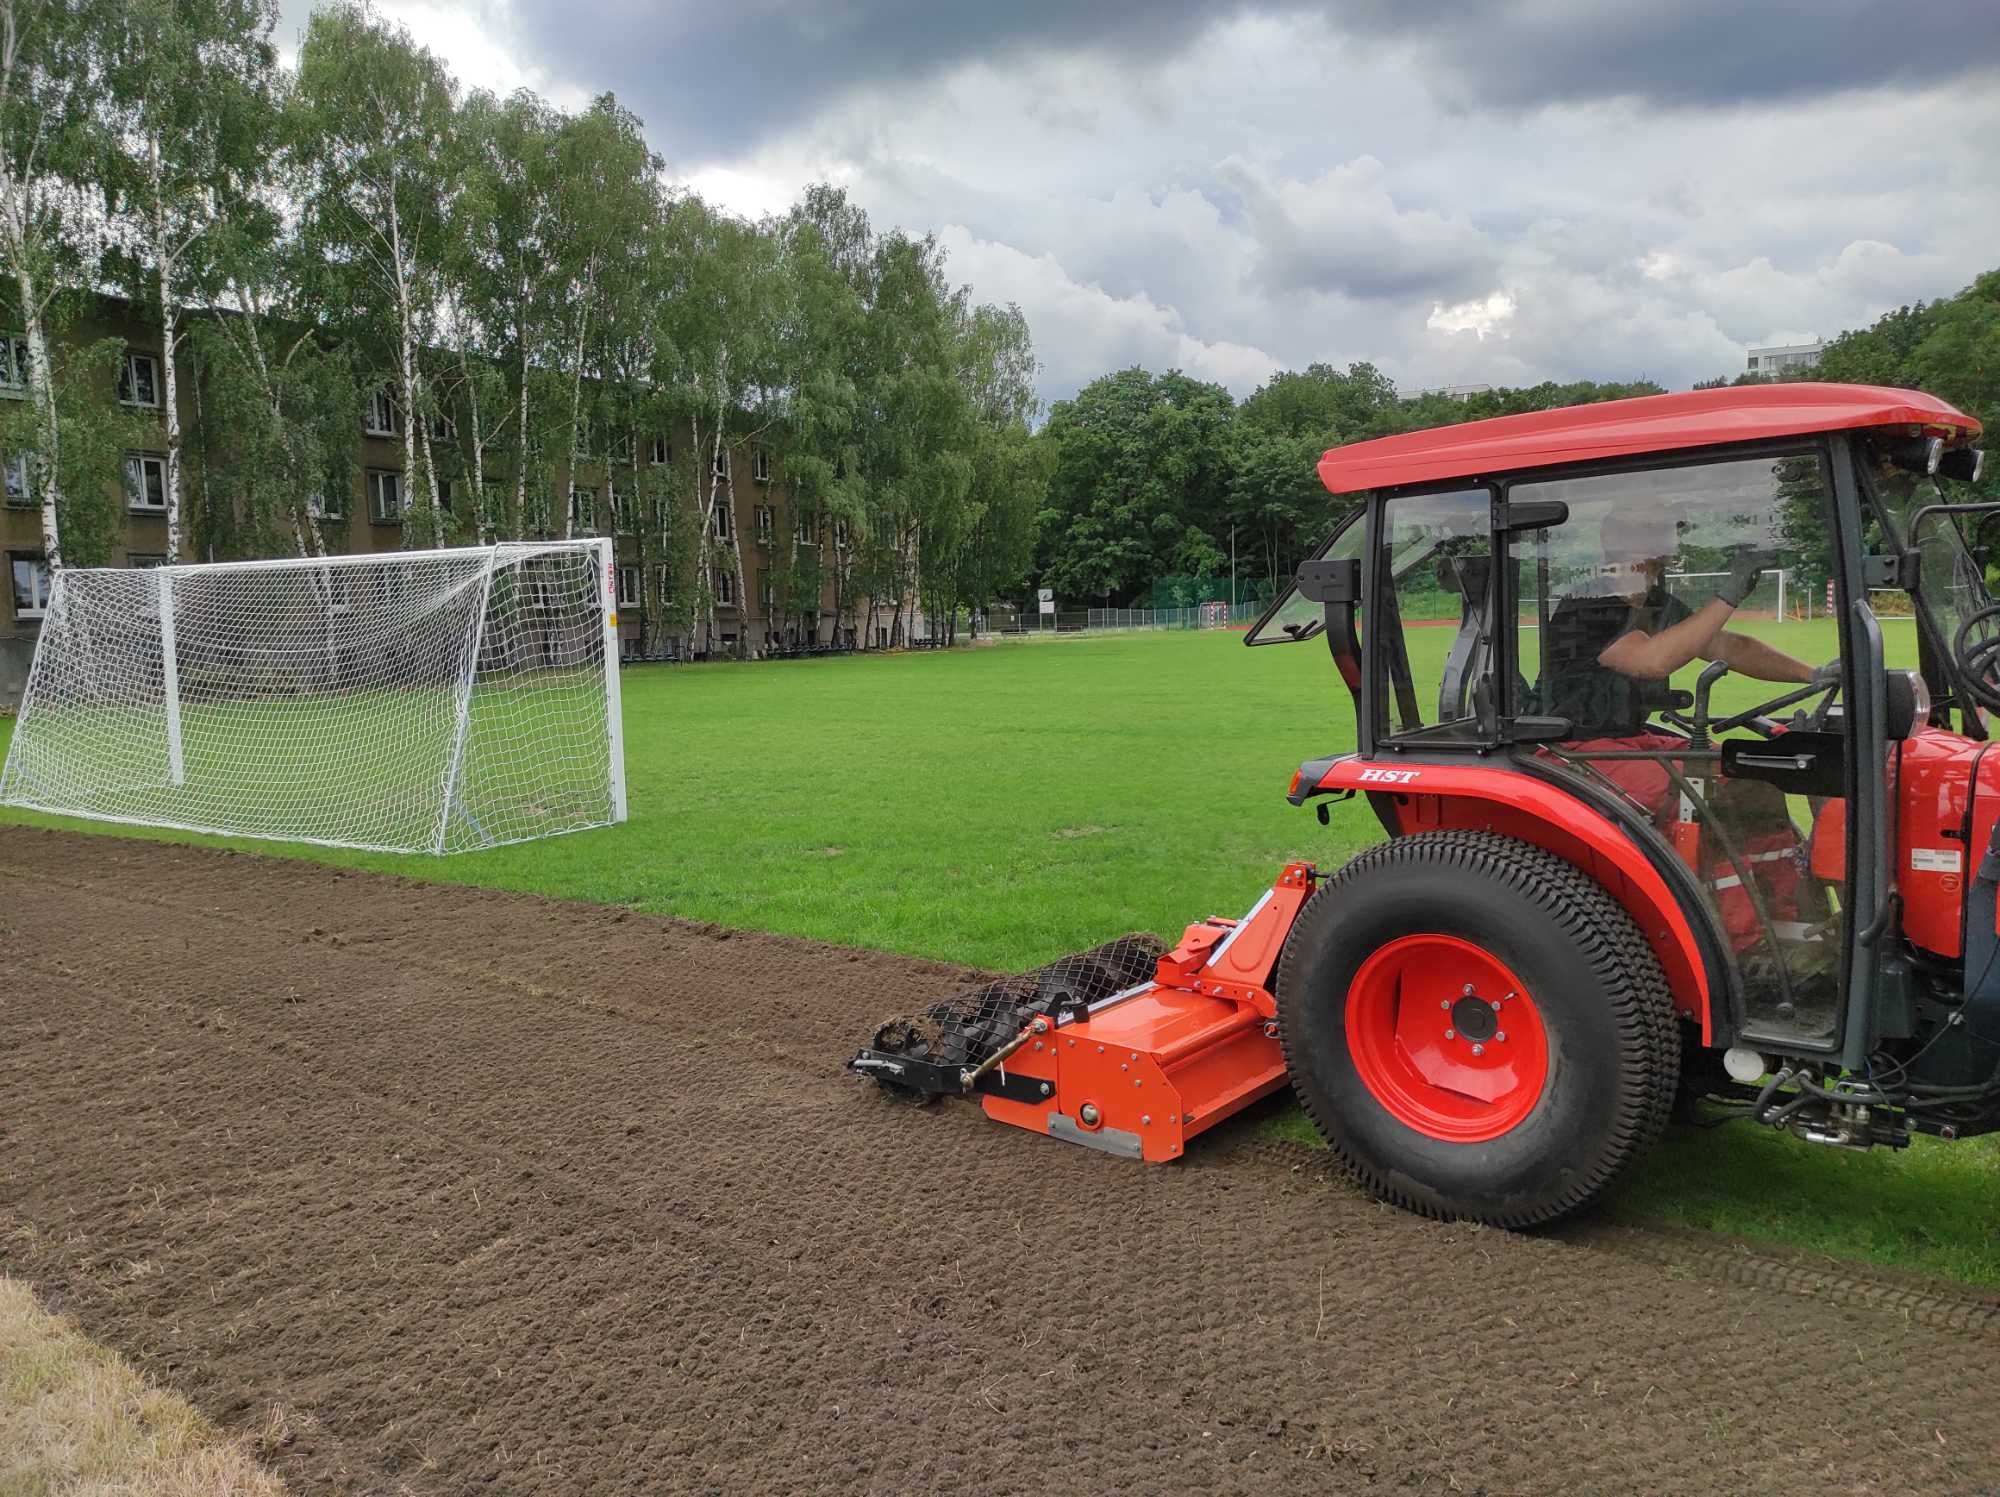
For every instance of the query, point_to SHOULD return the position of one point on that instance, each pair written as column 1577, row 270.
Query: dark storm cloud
column 714, row 80
column 1689, row 53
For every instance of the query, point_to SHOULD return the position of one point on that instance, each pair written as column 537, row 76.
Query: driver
column 1606, row 663
column 1610, row 652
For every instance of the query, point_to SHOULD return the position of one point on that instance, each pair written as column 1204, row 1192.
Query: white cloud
column 1083, row 331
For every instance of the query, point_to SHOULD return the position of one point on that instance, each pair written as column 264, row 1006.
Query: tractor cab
column 1749, row 634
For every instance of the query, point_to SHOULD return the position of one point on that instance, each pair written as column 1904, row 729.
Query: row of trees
column 1167, row 477
column 547, row 316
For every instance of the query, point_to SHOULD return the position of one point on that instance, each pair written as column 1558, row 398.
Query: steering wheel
column 1976, row 658
column 1762, row 719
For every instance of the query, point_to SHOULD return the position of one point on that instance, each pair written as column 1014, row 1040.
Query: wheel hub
column 1475, row 1019
column 1446, row 1038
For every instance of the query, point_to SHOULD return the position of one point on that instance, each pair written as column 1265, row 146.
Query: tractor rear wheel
column 1477, row 1028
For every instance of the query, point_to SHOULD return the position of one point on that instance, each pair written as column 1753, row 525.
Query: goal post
column 410, row 701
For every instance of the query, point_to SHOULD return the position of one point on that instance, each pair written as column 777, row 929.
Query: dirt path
column 495, row 1193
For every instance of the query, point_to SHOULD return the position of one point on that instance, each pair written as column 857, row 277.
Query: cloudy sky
column 1557, row 189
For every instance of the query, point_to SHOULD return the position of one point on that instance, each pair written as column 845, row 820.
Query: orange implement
column 1145, row 1070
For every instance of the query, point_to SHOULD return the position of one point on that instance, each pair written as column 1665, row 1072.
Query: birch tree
column 378, row 176
column 824, row 250
column 193, row 85
column 605, row 181
column 54, row 137
column 716, row 360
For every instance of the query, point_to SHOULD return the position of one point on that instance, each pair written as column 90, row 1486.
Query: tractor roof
column 1619, row 428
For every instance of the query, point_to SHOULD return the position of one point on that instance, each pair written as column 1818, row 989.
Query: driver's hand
column 1743, row 575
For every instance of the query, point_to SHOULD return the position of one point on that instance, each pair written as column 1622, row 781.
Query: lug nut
column 1088, row 1114
column 1444, row 1003
column 1501, row 1036
column 1496, row 1005
column 1468, row 990
column 1451, row 1034
column 1145, row 1119
column 1478, row 1049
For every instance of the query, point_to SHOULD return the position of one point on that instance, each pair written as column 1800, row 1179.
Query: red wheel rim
column 1445, row 1037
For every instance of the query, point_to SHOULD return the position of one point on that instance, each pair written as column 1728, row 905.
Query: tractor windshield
column 1951, row 586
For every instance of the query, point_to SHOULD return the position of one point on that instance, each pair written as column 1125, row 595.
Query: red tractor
column 1602, row 891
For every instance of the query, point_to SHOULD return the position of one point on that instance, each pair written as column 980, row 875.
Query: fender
column 1438, row 797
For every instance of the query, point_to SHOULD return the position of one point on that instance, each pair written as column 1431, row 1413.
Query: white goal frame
column 107, row 738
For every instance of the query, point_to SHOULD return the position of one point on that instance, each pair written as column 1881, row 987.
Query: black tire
column 1613, row 1039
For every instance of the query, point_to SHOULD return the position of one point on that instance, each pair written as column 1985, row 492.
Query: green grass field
column 1004, row 805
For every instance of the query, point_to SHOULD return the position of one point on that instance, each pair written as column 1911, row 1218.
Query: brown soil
column 489, row 1192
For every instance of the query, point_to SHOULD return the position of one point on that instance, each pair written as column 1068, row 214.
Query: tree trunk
column 521, row 433
column 41, row 388
column 169, row 331
column 575, row 413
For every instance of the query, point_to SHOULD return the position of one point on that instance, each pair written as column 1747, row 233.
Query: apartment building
column 1780, row 358
column 755, row 509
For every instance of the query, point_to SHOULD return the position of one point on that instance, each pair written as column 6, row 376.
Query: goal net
column 416, row 701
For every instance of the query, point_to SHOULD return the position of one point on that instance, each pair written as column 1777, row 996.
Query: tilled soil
column 486, row 1192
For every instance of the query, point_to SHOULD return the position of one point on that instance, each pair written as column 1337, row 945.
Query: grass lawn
column 1004, row 805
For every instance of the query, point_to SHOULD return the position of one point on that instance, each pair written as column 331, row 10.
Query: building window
column 766, row 522
column 146, row 561
column 622, row 508
column 31, row 585
column 385, row 497
column 620, row 449
column 722, row 522
column 139, row 380
column 145, row 481
column 1753, row 361
column 760, row 466
column 722, row 463
column 443, row 428
column 583, row 511
column 764, row 591
column 13, row 365
column 725, row 588
column 628, row 587
column 338, row 598
column 321, row 507
column 444, row 494
column 381, row 418
column 663, row 452
column 803, row 530
column 840, row 535
column 15, row 470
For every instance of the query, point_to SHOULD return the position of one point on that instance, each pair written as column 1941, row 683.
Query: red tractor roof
column 1618, row 428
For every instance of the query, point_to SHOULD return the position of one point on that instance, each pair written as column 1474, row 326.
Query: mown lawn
column 1004, row 805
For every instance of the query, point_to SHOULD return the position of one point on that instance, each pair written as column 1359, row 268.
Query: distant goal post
column 1777, row 593
column 410, row 701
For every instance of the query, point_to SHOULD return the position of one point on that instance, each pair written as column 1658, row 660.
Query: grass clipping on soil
column 75, row 1419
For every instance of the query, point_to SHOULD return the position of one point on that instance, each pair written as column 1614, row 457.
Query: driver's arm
column 1754, row 658
column 1654, row 657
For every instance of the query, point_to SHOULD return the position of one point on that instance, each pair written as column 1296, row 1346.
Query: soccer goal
column 413, row 701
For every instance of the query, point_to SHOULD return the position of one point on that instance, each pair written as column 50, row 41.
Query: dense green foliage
column 1155, row 475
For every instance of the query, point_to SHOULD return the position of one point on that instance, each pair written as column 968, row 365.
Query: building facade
column 1781, row 358
column 753, row 509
